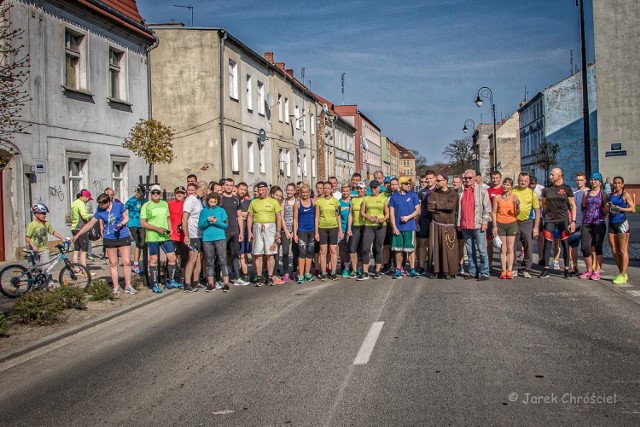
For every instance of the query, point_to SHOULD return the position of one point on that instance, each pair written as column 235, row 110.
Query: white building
column 89, row 86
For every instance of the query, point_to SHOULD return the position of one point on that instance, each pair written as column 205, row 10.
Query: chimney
column 290, row 72
column 268, row 56
column 280, row 65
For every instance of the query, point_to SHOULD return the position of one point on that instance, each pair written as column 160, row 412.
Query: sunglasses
column 467, row 177
column 440, row 180
column 423, row 182
column 156, row 192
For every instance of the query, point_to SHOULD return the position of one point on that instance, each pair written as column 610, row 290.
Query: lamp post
column 486, row 93
column 465, row 129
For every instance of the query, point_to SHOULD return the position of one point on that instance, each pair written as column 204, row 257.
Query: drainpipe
column 222, row 165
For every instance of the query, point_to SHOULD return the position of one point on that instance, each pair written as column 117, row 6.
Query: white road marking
column 369, row 343
column 634, row 293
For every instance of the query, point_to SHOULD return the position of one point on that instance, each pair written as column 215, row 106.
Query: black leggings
column 593, row 237
column 306, row 244
column 373, row 235
column 548, row 230
column 288, row 246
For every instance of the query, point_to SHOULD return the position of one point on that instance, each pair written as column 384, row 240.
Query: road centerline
column 362, row 358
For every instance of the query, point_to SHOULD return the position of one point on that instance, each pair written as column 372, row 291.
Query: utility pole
column 585, row 94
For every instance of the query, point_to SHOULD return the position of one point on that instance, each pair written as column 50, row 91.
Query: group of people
column 212, row 231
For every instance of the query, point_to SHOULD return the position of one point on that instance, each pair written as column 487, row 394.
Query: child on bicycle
column 37, row 235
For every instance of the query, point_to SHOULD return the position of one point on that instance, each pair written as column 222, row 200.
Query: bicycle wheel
column 75, row 275
column 14, row 280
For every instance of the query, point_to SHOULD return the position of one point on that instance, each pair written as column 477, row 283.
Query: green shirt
column 39, row 233
column 264, row 210
column 156, row 214
column 528, row 200
column 328, row 212
column 79, row 214
column 374, row 206
column 356, row 203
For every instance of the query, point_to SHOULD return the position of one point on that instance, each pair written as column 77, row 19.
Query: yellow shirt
column 328, row 208
column 356, row 203
column 528, row 200
column 374, row 206
column 264, row 210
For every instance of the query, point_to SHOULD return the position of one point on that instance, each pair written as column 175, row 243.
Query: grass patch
column 5, row 324
column 100, row 290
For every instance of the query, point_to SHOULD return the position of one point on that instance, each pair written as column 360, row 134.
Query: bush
column 69, row 297
column 100, row 290
column 38, row 308
column 5, row 324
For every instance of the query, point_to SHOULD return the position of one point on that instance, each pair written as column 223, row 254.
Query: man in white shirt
column 193, row 235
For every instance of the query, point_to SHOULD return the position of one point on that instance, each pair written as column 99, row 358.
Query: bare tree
column 460, row 154
column 421, row 162
column 14, row 75
column 547, row 156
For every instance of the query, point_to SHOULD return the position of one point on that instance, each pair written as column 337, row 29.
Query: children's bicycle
column 16, row 279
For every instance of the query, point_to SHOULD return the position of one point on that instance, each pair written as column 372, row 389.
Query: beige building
column 394, row 159
column 509, row 147
column 616, row 38
column 407, row 162
column 265, row 119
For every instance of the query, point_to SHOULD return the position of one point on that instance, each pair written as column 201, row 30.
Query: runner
column 559, row 214
column 133, row 206
column 303, row 233
column 343, row 245
column 176, row 207
column 193, row 235
column 375, row 211
column 620, row 202
column 275, row 192
column 392, row 186
column 428, row 181
column 286, row 234
column 355, row 226
column 263, row 221
column 328, row 231
column 154, row 218
column 213, row 223
column 528, row 221
column 575, row 237
column 495, row 189
column 505, row 210
column 594, row 227
column 79, row 217
column 404, row 208
column 235, row 227
column 245, row 244
column 115, row 239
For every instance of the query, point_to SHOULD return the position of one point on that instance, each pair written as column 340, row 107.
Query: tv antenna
column 190, row 7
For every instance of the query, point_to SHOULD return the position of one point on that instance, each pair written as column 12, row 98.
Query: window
column 313, row 167
column 262, row 156
column 286, row 110
column 287, row 159
column 304, row 165
column 261, row 98
column 312, row 123
column 251, row 155
column 296, row 113
column 304, row 121
column 233, row 79
column 77, row 176
column 117, row 86
column 249, row 94
column 298, row 164
column 281, row 161
column 119, row 179
column 75, row 60
column 234, row 155
column 280, row 108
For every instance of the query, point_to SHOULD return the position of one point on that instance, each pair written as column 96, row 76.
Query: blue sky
column 413, row 67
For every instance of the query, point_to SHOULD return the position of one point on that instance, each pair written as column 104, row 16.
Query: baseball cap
column 262, row 184
column 179, row 189
column 361, row 184
column 139, row 190
column 155, row 187
column 404, row 179
column 374, row 183
column 387, row 179
column 86, row 193
column 222, row 180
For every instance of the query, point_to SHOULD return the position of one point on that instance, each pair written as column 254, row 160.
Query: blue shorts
column 245, row 246
column 154, row 247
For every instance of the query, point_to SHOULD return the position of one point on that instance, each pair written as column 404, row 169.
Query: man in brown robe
column 443, row 247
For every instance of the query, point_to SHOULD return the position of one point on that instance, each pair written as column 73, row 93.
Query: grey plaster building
column 89, row 85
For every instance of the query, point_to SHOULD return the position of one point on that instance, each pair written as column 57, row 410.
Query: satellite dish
column 364, row 143
column 270, row 101
column 262, row 135
column 325, row 108
column 301, row 144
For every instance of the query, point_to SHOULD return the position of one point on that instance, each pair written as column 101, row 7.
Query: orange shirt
column 506, row 212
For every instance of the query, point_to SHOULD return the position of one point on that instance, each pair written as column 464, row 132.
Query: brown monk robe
column 443, row 247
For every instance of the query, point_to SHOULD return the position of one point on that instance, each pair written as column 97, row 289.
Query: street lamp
column 486, row 93
column 470, row 122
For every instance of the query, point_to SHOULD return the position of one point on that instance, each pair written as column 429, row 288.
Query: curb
column 79, row 328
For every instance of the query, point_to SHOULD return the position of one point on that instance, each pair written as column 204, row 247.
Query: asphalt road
column 454, row 352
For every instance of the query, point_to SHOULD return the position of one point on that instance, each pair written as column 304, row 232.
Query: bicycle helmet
column 39, row 208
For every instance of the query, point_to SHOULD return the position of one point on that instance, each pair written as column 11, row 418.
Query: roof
column 124, row 12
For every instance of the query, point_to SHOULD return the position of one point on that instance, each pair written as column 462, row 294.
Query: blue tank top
column 617, row 200
column 306, row 218
column 344, row 214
